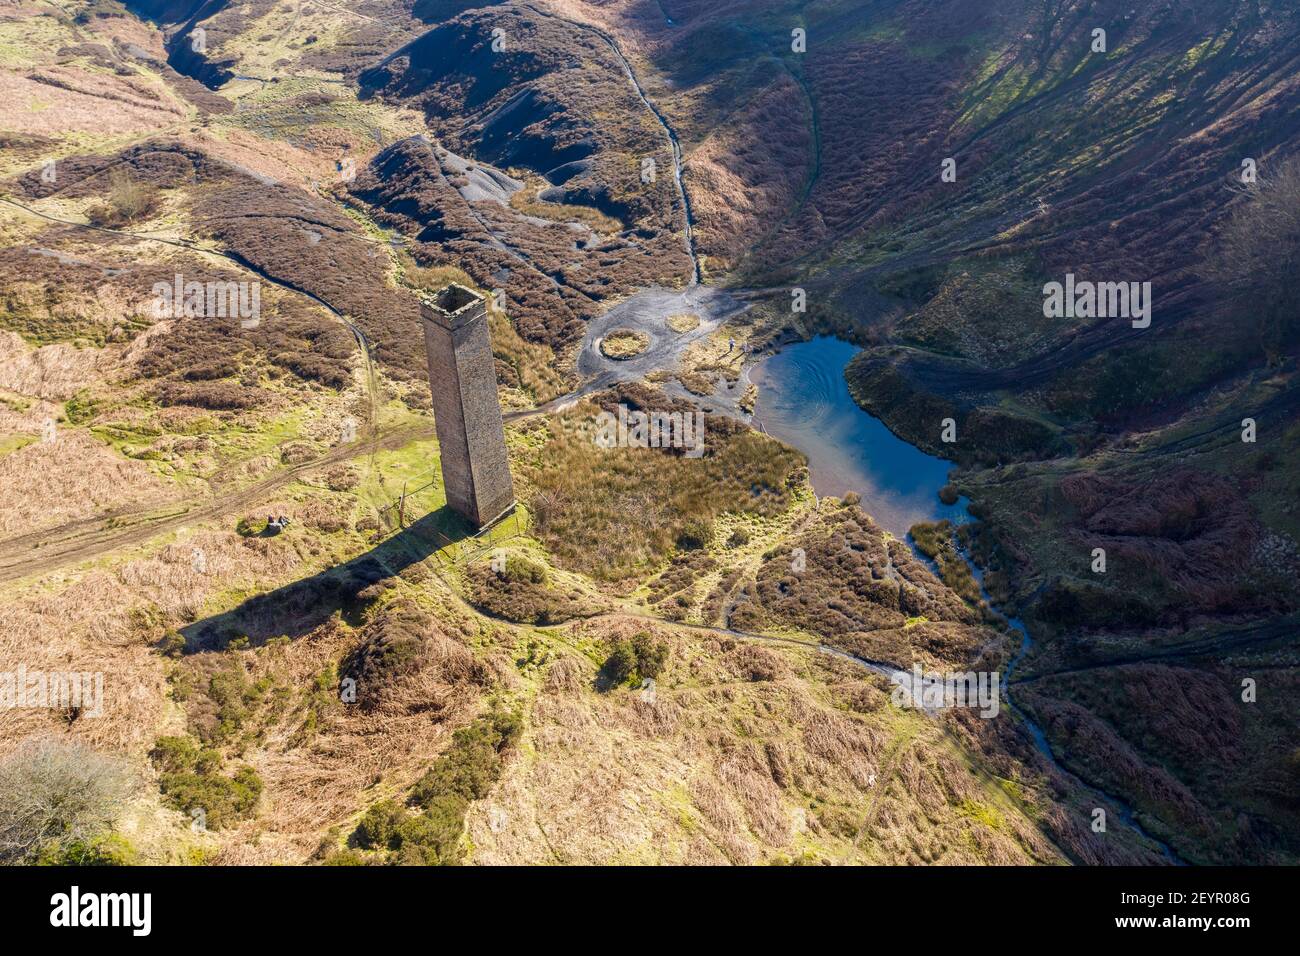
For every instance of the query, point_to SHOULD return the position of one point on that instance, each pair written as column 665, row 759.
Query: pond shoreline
column 804, row 400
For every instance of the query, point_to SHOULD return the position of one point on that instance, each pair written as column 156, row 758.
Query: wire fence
column 409, row 511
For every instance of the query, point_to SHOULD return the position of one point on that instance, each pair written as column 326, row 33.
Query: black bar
column 877, row 904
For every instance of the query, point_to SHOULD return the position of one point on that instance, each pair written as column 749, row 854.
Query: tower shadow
column 296, row 609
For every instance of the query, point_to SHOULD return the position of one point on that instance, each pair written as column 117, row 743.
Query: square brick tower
column 466, row 410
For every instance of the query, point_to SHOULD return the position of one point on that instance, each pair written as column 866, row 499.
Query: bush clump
column 635, row 660
column 378, row 828
column 621, row 664
column 395, row 643
column 172, row 644
column 222, row 396
column 521, row 570
column 935, row 540
column 128, row 201
column 695, row 534
column 426, row 831
column 59, row 799
column 739, row 538
column 190, row 779
column 80, row 409
column 519, row 593
column 472, row 764
column 109, row 849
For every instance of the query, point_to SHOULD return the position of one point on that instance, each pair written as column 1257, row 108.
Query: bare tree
column 128, row 200
column 1257, row 259
column 58, row 790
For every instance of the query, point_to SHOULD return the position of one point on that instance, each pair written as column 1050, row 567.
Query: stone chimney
column 466, row 410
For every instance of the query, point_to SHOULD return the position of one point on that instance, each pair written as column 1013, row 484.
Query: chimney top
column 453, row 305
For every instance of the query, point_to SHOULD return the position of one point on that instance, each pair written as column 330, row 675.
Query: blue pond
column 804, row 401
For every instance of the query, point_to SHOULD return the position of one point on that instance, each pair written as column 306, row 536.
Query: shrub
column 225, row 367
column 61, row 792
column 190, row 779
column 739, row 538
column 234, row 695
column 472, row 764
column 466, row 772
column 296, row 452
column 632, row 661
column 128, row 201
column 223, row 800
column 80, row 409
column 695, row 534
column 433, row 837
column 428, row 838
column 110, row 849
column 344, row 858
column 685, row 569
column 176, row 754
column 935, row 541
column 520, row 594
column 523, row 571
column 319, row 700
column 342, row 478
column 378, row 828
column 621, row 664
column 172, row 644
column 651, row 655
column 931, row 538
column 216, row 396
column 394, row 645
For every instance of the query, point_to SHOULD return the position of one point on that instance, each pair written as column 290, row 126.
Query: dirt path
column 673, row 142
column 41, row 551
column 88, row 538
column 51, row 548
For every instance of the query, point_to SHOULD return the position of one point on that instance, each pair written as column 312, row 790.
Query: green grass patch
column 11, row 443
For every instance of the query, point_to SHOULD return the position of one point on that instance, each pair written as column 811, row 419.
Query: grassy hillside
column 636, row 668
column 1121, row 163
